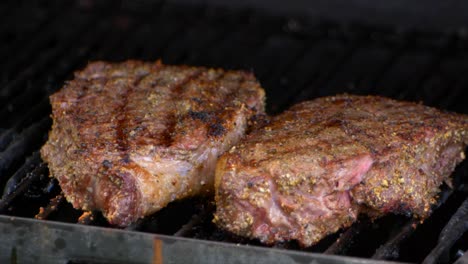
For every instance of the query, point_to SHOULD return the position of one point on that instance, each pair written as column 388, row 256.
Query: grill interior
column 294, row 58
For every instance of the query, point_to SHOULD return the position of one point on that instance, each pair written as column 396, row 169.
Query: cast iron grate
column 294, row 59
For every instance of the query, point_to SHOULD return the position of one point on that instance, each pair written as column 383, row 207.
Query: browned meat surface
column 311, row 170
column 128, row 138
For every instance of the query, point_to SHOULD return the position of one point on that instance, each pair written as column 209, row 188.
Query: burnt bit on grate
column 53, row 205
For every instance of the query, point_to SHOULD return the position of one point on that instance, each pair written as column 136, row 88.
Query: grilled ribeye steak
column 311, row 170
column 128, row 138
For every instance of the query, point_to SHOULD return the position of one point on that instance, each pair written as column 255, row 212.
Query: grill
column 295, row 59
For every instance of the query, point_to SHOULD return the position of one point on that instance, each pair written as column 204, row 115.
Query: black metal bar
column 187, row 229
column 458, row 87
column 28, row 140
column 35, row 112
column 203, row 56
column 441, row 53
column 14, row 39
column 175, row 41
column 35, row 68
column 347, row 238
column 28, row 49
column 21, row 180
column 70, row 242
column 454, row 229
column 329, row 66
column 271, row 64
column 11, row 15
column 391, row 249
column 404, row 77
column 216, row 34
column 398, row 44
column 203, row 215
column 141, row 33
column 61, row 68
column 305, row 68
column 158, row 34
column 31, row 162
column 200, row 37
column 116, row 41
column 238, row 46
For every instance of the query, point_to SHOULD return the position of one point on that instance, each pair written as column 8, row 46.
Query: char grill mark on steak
column 215, row 127
column 122, row 119
column 177, row 92
column 315, row 167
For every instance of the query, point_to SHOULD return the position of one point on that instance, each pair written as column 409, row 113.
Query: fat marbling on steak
column 315, row 167
column 128, row 138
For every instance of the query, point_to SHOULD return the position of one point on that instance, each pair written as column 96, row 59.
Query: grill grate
column 293, row 58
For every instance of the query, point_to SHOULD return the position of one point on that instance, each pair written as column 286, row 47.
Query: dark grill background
column 295, row 59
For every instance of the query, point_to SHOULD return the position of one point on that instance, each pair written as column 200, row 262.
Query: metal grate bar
column 203, row 215
column 201, row 37
column 11, row 39
column 441, row 53
column 13, row 15
column 215, row 32
column 238, row 46
column 20, row 181
column 27, row 49
column 391, row 249
column 278, row 63
column 30, row 163
column 32, row 115
column 333, row 53
column 153, row 46
column 31, row 72
column 60, row 69
column 347, row 238
column 29, row 139
column 454, row 229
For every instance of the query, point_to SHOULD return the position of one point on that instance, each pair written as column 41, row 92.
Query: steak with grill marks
column 315, row 167
column 128, row 138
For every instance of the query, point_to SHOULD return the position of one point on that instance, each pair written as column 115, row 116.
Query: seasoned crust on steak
column 308, row 173
column 128, row 138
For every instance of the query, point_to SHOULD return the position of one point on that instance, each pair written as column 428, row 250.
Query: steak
column 315, row 167
column 128, row 138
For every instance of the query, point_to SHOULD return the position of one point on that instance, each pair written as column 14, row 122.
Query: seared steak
column 128, row 138
column 311, row 170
